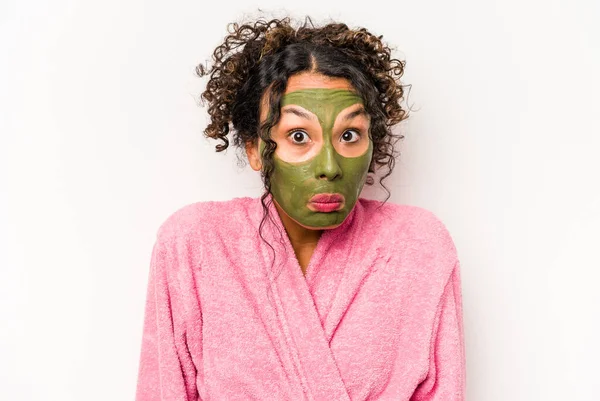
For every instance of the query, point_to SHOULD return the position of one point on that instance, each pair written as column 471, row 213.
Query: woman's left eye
column 350, row 136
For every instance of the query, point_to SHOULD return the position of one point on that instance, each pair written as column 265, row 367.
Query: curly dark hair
column 262, row 55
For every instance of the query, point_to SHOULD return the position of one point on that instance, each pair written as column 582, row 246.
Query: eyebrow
column 300, row 113
column 357, row 112
column 297, row 112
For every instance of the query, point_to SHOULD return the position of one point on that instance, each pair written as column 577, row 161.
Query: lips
column 326, row 202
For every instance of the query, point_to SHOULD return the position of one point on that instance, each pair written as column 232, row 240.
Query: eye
column 299, row 137
column 350, row 136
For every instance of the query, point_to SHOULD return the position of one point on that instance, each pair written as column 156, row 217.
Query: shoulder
column 409, row 225
column 200, row 219
column 405, row 220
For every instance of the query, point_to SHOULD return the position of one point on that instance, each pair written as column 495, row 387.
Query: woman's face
column 323, row 150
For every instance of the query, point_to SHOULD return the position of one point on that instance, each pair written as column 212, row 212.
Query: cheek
column 357, row 168
column 292, row 184
column 291, row 175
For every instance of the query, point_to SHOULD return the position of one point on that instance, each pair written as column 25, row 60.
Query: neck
column 300, row 236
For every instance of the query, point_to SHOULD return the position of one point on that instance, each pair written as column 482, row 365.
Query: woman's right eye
column 299, row 137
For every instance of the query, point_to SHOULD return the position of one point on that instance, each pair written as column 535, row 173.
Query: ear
column 254, row 155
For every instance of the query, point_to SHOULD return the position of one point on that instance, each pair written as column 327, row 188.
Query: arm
column 166, row 370
column 446, row 379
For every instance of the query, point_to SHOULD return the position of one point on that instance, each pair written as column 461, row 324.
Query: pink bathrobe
column 377, row 317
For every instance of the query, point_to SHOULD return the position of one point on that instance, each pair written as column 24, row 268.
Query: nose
column 327, row 165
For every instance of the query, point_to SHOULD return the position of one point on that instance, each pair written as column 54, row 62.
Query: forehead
column 307, row 80
column 310, row 88
column 313, row 90
column 321, row 100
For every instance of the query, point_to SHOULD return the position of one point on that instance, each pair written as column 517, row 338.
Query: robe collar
column 307, row 323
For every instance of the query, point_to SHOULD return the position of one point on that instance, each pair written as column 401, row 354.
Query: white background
column 101, row 139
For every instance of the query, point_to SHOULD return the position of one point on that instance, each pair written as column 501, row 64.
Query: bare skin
column 303, row 239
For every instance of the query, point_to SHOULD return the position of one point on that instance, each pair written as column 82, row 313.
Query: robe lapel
column 340, row 271
column 301, row 323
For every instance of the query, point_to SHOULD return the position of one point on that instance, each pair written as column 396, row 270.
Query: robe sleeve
column 166, row 370
column 446, row 379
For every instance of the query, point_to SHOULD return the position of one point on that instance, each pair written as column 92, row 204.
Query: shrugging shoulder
column 412, row 245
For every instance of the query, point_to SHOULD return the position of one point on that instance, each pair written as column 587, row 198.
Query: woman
column 308, row 292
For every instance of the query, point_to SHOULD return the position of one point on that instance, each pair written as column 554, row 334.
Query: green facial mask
column 294, row 184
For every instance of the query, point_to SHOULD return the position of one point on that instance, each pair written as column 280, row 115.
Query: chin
column 320, row 227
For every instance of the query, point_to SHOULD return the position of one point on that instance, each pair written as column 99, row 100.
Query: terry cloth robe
column 377, row 317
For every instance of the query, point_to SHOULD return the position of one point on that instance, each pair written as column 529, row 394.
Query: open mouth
column 326, row 203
